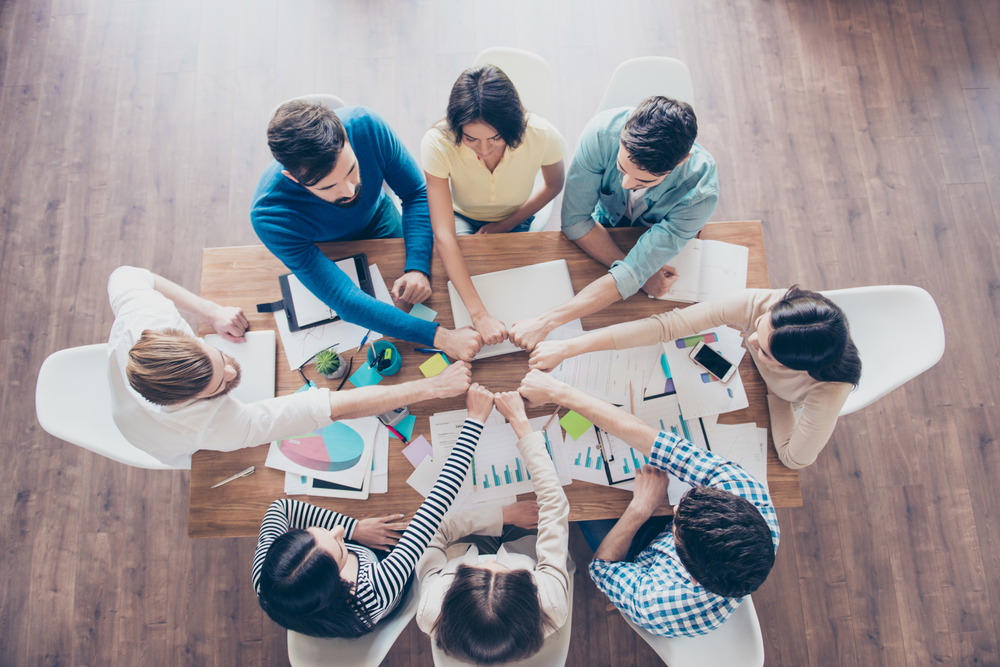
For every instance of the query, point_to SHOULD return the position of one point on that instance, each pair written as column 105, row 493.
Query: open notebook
column 517, row 294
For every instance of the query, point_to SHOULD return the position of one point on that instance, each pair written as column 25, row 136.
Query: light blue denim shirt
column 674, row 211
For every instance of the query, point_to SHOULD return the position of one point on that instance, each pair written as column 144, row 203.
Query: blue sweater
column 290, row 220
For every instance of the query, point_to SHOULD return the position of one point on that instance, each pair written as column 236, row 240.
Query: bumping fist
column 479, row 401
column 453, row 380
column 539, row 388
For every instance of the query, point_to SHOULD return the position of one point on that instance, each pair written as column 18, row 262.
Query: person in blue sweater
column 325, row 184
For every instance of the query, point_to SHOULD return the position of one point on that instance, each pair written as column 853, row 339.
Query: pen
column 365, row 339
column 474, row 473
column 631, row 397
column 427, row 350
column 243, row 473
column 397, row 434
column 665, row 365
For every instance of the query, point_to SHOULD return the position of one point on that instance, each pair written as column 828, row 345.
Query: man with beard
column 170, row 390
column 325, row 184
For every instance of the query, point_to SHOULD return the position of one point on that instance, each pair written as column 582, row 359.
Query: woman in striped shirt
column 310, row 580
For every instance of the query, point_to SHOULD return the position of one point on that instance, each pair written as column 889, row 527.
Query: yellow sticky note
column 575, row 424
column 433, row 366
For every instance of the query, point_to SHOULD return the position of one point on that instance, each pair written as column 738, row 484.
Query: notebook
column 256, row 358
column 517, row 294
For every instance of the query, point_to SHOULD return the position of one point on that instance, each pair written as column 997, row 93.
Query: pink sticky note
column 417, row 451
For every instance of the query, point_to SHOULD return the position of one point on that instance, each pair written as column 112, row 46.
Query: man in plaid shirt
column 689, row 578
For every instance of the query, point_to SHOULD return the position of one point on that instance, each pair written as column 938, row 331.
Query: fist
column 660, row 282
column 453, row 380
column 491, row 329
column 230, row 323
column 463, row 343
column 539, row 388
column 411, row 287
column 511, row 405
column 479, row 401
column 526, row 334
column 548, row 355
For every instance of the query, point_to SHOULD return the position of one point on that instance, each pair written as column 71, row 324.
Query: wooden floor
column 864, row 133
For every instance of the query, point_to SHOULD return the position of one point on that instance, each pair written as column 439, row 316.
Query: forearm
column 533, row 205
column 598, row 244
column 594, row 297
column 185, row 300
column 607, row 417
column 458, row 271
column 374, row 400
column 615, row 546
column 592, row 342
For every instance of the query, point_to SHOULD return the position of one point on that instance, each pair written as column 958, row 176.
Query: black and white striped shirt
column 380, row 584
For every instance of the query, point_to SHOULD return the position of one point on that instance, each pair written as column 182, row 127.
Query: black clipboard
column 288, row 305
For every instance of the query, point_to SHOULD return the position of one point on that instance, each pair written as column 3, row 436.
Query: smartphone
column 713, row 362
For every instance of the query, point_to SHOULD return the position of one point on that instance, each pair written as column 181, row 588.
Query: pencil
column 554, row 415
column 631, row 397
column 397, row 434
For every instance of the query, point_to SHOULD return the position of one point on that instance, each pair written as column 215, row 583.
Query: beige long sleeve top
column 436, row 569
column 798, row 441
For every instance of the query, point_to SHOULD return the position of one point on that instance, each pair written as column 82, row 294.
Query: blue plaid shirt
column 656, row 591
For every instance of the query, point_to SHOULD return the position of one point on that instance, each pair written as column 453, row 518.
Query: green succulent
column 327, row 362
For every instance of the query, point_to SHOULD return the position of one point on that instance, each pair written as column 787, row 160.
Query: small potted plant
column 330, row 364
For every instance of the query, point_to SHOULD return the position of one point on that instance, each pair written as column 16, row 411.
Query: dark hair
column 306, row 138
column 723, row 541
column 811, row 334
column 485, row 94
column 301, row 590
column 659, row 134
column 491, row 618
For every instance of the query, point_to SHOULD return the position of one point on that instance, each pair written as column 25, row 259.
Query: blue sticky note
column 365, row 376
column 406, row 426
column 423, row 312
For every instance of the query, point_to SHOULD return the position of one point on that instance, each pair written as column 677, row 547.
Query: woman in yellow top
column 799, row 340
column 488, row 149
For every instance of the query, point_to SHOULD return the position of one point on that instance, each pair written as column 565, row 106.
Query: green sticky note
column 575, row 424
column 433, row 366
column 365, row 376
column 423, row 312
column 406, row 427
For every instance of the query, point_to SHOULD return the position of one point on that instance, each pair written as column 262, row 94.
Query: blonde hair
column 168, row 367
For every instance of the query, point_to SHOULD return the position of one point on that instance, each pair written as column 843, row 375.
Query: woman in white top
column 480, row 163
column 501, row 610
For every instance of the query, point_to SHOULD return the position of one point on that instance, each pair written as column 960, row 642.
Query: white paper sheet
column 707, row 269
column 740, row 443
column 301, row 346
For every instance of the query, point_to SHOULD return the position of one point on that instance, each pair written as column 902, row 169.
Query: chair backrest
column 899, row 335
column 73, row 403
column 529, row 73
column 639, row 78
column 553, row 653
column 331, row 101
column 367, row 651
column 737, row 643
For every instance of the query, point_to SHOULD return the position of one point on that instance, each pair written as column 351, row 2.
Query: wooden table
column 246, row 276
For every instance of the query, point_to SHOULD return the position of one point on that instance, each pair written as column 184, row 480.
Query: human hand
column 523, row 514
column 462, row 343
column 479, row 401
column 548, row 354
column 650, row 490
column 490, row 328
column 539, row 388
column 511, row 406
column 453, row 380
column 660, row 282
column 230, row 323
column 411, row 287
column 491, row 228
column 526, row 334
column 381, row 533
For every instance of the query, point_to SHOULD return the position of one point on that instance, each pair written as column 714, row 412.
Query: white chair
column 553, row 652
column 899, row 335
column 532, row 77
column 366, row 651
column 639, row 78
column 73, row 403
column 737, row 643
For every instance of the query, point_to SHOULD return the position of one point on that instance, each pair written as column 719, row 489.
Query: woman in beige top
column 501, row 610
column 799, row 341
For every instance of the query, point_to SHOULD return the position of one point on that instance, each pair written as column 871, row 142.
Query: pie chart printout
column 336, row 447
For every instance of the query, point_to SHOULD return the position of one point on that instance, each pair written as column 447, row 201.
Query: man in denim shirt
column 633, row 167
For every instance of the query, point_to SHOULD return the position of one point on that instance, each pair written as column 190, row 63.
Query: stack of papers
column 338, row 460
column 699, row 392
